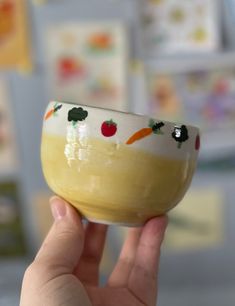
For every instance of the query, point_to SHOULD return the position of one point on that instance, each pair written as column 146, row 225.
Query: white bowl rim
column 127, row 113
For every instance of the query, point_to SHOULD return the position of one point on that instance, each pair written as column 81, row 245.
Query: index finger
column 143, row 277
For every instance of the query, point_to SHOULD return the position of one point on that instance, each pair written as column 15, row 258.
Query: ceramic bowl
column 117, row 167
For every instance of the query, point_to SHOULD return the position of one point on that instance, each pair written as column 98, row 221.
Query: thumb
column 63, row 246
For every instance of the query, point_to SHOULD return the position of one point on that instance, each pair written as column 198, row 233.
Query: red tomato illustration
column 109, row 128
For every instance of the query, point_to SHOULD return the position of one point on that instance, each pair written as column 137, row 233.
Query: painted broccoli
column 180, row 134
column 77, row 114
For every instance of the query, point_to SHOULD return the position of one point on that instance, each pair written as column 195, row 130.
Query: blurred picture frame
column 14, row 36
column 87, row 63
column 8, row 150
column 203, row 97
column 180, row 27
column 190, row 230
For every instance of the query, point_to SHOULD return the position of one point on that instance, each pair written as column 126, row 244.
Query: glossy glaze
column 113, row 182
column 116, row 167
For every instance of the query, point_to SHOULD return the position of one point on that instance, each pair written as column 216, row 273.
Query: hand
column 65, row 271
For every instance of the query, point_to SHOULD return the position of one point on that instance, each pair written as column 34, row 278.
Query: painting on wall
column 12, row 240
column 87, row 64
column 165, row 101
column 14, row 36
column 205, row 98
column 8, row 156
column 189, row 229
column 172, row 26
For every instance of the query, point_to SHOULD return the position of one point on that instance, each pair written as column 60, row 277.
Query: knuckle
column 40, row 270
column 31, row 269
column 31, row 273
column 68, row 232
column 65, row 233
column 126, row 261
column 145, row 273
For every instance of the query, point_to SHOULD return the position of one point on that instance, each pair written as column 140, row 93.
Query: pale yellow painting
column 197, row 222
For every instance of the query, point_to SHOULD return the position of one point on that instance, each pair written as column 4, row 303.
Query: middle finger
column 88, row 267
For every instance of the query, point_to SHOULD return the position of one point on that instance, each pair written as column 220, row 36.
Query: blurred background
column 172, row 59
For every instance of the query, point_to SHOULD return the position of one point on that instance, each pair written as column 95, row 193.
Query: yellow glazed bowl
column 116, row 167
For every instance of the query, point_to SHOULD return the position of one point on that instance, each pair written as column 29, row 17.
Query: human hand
column 65, row 271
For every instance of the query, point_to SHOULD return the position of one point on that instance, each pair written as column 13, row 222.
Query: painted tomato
column 197, row 143
column 109, row 128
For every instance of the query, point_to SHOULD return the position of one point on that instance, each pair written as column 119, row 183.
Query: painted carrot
column 139, row 135
column 49, row 114
column 52, row 111
column 154, row 127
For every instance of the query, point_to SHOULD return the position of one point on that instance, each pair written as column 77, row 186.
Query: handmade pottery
column 117, row 167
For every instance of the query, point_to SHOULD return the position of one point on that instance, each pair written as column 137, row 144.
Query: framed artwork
column 203, row 98
column 14, row 35
column 186, row 26
column 12, row 241
column 8, row 157
column 189, row 229
column 87, row 63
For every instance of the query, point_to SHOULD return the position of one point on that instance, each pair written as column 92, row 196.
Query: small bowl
column 115, row 167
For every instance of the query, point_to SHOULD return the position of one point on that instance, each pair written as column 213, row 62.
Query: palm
column 114, row 297
column 133, row 281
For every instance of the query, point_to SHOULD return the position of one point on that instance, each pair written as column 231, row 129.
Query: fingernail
column 58, row 208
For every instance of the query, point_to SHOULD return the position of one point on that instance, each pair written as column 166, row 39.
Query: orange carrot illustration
column 49, row 114
column 52, row 111
column 154, row 127
column 139, row 135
